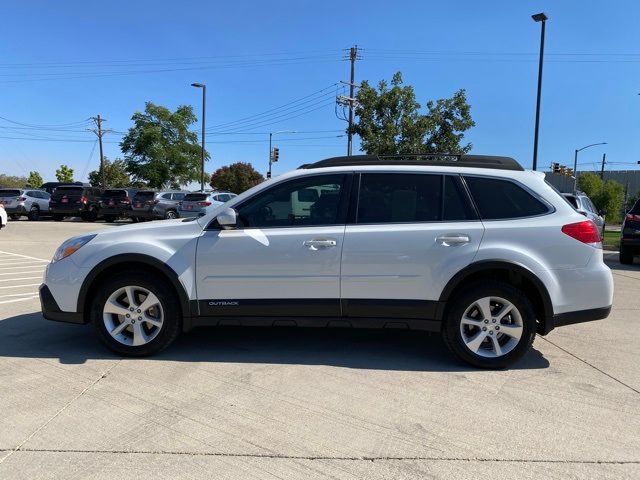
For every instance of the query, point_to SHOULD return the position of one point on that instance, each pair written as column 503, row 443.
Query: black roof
column 439, row 159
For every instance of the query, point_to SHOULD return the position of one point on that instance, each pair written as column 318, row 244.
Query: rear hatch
column 9, row 197
column 631, row 226
column 67, row 197
column 194, row 202
column 115, row 199
column 143, row 200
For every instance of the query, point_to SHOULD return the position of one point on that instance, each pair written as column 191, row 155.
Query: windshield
column 144, row 195
column 114, row 193
column 60, row 191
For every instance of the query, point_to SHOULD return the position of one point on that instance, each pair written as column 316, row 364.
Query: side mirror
column 227, row 219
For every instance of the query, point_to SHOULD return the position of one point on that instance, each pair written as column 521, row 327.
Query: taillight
column 126, row 200
column 204, row 204
column 585, row 232
column 632, row 218
column 83, row 199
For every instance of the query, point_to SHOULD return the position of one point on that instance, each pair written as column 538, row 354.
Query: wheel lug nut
column 131, row 309
column 139, row 311
column 497, row 327
column 484, row 329
column 139, row 318
column 486, row 321
column 128, row 315
column 494, row 320
column 491, row 333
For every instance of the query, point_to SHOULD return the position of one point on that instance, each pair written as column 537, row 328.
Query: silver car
column 198, row 204
column 19, row 202
column 585, row 206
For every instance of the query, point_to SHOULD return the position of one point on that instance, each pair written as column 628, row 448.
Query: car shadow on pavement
column 31, row 336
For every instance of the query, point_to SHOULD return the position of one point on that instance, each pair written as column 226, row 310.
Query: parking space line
column 18, row 299
column 18, row 294
column 17, row 278
column 23, row 256
column 22, row 273
column 19, row 286
column 21, row 266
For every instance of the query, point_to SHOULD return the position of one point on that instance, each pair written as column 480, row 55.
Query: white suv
column 474, row 247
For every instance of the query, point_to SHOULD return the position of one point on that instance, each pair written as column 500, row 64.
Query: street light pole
column 204, row 102
column 538, row 17
column 575, row 161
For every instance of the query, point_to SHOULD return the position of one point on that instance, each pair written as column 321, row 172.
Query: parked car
column 164, row 205
column 198, row 204
column 50, row 187
column 75, row 201
column 142, row 205
column 116, row 203
column 474, row 247
column 30, row 203
column 585, row 206
column 3, row 217
column 630, row 235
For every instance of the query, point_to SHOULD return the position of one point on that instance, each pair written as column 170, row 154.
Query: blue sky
column 62, row 62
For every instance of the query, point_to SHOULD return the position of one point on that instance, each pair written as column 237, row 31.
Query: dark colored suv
column 630, row 235
column 116, row 203
column 75, row 201
column 142, row 206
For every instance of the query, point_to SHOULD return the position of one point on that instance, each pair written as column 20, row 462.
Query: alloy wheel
column 133, row 315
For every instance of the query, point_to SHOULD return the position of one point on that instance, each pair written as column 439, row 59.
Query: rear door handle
column 453, row 239
column 317, row 243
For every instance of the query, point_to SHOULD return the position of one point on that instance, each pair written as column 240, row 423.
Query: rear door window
column 499, row 199
column 399, row 198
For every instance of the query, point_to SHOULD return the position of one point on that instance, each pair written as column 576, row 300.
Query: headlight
column 71, row 246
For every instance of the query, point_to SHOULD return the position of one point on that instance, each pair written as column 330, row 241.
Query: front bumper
column 51, row 310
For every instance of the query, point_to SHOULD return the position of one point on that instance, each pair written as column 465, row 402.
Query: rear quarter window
column 498, row 199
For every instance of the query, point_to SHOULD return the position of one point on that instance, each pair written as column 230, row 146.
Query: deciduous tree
column 236, row 177
column 64, row 174
column 116, row 175
column 35, row 180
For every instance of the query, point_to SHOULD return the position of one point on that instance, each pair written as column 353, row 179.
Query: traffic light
column 570, row 172
column 268, row 174
column 275, row 155
column 555, row 167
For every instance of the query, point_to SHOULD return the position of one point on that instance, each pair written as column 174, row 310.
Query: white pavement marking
column 23, row 294
column 17, row 278
column 18, row 286
column 18, row 299
column 13, row 268
column 22, row 273
column 23, row 256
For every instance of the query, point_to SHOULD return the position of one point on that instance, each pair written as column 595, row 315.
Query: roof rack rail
column 431, row 159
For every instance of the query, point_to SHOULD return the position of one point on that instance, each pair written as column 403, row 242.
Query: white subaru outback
column 471, row 246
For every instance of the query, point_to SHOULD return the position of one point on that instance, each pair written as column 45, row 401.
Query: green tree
column 389, row 120
column 11, row 181
column 35, row 180
column 160, row 150
column 64, row 174
column 236, row 177
column 589, row 183
column 610, row 199
column 116, row 175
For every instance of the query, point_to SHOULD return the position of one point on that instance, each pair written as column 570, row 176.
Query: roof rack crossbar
column 429, row 159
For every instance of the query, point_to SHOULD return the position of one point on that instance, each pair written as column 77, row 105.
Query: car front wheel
column 136, row 316
column 171, row 214
column 490, row 325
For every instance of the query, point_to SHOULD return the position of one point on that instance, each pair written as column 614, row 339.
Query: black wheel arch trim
column 547, row 323
column 126, row 258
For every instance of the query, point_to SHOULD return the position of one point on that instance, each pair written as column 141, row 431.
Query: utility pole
column 99, row 132
column 604, row 156
column 353, row 56
column 542, row 18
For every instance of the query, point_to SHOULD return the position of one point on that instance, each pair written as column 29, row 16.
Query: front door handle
column 453, row 239
column 317, row 244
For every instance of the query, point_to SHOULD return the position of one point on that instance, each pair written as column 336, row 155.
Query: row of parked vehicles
column 91, row 203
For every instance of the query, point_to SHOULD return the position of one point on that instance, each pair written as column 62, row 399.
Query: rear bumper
column 19, row 210
column 69, row 212
column 580, row 316
column 630, row 241
column 118, row 212
column 51, row 310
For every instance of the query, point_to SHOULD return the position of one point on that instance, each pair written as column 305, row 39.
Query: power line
column 33, row 125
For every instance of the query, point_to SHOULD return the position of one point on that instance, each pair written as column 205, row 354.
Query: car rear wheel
column 626, row 256
column 171, row 214
column 135, row 316
column 34, row 213
column 489, row 325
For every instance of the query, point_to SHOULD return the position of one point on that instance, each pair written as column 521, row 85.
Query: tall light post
column 575, row 161
column 271, row 134
column 538, row 17
column 204, row 101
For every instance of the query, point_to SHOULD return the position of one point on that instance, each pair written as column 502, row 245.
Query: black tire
column 109, row 218
column 57, row 217
column 34, row 214
column 15, row 216
column 135, row 219
column 626, row 256
column 170, row 214
column 457, row 307
column 171, row 325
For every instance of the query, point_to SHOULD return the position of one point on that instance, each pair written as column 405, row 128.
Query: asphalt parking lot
column 253, row 403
